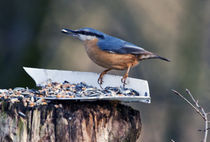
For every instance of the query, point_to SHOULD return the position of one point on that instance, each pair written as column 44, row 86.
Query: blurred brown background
column 179, row 30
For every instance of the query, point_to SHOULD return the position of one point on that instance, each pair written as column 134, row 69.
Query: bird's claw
column 100, row 81
column 123, row 80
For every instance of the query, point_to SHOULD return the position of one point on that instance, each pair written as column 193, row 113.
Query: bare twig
column 172, row 140
column 198, row 109
column 194, row 107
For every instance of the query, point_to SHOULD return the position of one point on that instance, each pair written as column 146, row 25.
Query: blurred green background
column 179, row 30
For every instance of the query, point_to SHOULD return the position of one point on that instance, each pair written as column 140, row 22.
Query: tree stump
column 72, row 121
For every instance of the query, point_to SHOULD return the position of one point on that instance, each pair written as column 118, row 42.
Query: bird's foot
column 123, row 80
column 100, row 81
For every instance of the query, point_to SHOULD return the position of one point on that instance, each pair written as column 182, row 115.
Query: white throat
column 86, row 37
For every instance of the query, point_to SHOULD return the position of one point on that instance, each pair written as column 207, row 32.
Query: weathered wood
column 100, row 121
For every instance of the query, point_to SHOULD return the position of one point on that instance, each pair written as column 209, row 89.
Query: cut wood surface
column 99, row 121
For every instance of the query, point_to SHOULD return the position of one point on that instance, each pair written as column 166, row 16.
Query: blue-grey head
column 85, row 33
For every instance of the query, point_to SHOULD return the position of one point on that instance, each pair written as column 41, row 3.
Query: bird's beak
column 69, row 32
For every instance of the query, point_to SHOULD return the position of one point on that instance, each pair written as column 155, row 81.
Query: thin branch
column 172, row 140
column 206, row 127
column 188, row 92
column 198, row 109
column 186, row 100
column 201, row 111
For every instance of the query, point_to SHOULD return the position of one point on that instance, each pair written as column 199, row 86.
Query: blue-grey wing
column 129, row 48
column 115, row 45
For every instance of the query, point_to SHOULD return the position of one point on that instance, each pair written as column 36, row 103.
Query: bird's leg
column 100, row 79
column 123, row 80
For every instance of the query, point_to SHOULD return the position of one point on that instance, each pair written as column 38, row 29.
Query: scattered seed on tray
column 54, row 90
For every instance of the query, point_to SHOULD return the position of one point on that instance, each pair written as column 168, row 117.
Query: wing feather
column 116, row 45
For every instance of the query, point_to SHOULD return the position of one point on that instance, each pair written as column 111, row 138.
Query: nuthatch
column 111, row 52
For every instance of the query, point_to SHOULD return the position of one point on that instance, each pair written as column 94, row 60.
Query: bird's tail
column 150, row 55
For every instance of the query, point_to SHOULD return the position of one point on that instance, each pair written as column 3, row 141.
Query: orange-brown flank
column 109, row 60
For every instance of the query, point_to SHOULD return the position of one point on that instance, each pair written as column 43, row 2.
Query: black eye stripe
column 90, row 33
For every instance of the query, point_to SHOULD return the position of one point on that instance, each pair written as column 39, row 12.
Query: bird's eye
column 91, row 34
column 85, row 33
column 82, row 32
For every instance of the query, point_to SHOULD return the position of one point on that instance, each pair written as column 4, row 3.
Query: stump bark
column 100, row 121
